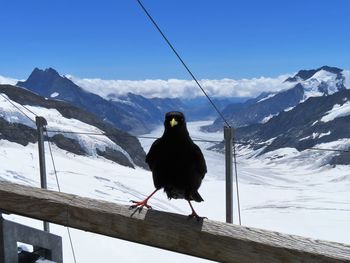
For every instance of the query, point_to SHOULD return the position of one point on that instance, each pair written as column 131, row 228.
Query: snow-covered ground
column 284, row 191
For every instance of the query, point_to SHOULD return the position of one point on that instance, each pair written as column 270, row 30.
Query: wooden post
column 206, row 239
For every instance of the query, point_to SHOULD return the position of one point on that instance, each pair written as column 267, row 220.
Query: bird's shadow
column 137, row 209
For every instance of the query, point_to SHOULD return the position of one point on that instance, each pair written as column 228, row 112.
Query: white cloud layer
column 175, row 88
column 5, row 80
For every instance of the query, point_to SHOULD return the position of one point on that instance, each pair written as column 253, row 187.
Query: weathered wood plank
column 208, row 239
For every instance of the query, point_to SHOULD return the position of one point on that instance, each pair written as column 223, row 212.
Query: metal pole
column 228, row 135
column 40, row 123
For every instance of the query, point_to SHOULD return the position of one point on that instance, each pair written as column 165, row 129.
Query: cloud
column 178, row 88
column 5, row 80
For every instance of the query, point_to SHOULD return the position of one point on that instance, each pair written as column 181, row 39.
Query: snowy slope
column 57, row 122
column 321, row 83
column 71, row 128
column 318, row 120
column 337, row 111
column 274, row 192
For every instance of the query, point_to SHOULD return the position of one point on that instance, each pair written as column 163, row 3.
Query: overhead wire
column 182, row 62
column 194, row 78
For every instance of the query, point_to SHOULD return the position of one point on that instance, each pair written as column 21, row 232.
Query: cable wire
column 137, row 136
column 195, row 139
column 14, row 105
column 59, row 189
column 182, row 62
column 237, row 189
column 53, row 161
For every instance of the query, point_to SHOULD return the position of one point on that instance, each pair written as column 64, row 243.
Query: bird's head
column 174, row 120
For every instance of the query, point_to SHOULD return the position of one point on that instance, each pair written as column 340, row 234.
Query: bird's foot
column 195, row 215
column 140, row 204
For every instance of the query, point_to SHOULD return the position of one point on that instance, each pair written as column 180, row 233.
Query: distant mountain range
column 132, row 113
column 315, row 111
column 48, row 83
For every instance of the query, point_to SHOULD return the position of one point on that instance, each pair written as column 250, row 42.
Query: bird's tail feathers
column 196, row 197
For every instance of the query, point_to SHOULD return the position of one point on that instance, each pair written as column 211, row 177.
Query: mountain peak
column 47, row 82
column 307, row 74
column 334, row 70
column 39, row 76
column 51, row 71
column 48, row 72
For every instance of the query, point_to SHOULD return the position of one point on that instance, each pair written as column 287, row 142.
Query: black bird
column 176, row 162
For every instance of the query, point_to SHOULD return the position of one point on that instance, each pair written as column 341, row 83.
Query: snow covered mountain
column 318, row 122
column 130, row 112
column 323, row 81
column 68, row 127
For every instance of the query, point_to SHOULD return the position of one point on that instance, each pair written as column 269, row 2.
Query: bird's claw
column 140, row 205
column 199, row 218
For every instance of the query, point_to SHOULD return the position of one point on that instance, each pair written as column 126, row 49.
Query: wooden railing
column 206, row 239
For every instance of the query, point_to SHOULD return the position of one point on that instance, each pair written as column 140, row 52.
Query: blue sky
column 218, row 39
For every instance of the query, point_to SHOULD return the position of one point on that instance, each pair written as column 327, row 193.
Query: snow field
column 282, row 191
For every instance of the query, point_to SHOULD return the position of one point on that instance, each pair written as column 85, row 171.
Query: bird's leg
column 194, row 214
column 141, row 204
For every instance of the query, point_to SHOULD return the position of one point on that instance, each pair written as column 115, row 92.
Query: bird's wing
column 199, row 158
column 153, row 152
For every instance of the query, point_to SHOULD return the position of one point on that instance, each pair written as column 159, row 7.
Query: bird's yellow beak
column 173, row 122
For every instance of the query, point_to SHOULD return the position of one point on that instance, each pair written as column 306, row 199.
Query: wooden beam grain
column 208, row 239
